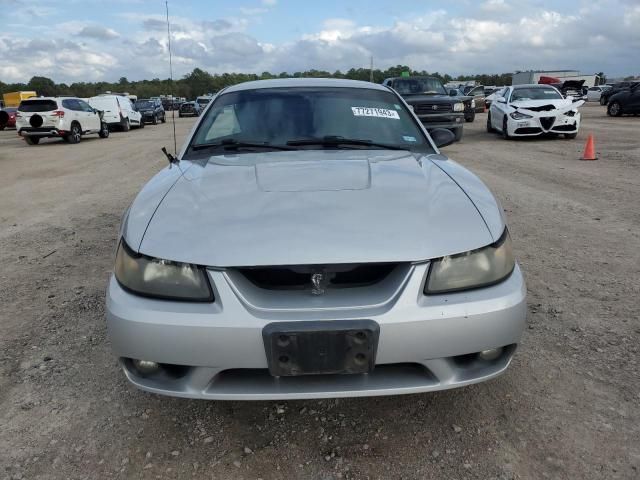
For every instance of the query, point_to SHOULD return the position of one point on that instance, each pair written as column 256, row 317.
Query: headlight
column 519, row 116
column 152, row 277
column 473, row 103
column 458, row 107
column 478, row 268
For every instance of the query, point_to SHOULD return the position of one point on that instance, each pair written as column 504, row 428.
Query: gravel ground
column 568, row 408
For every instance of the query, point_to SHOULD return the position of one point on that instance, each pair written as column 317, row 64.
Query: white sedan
column 594, row 93
column 530, row 110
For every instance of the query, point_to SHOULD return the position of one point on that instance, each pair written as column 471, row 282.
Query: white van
column 118, row 111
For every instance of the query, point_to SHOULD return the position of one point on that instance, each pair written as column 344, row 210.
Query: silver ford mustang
column 309, row 241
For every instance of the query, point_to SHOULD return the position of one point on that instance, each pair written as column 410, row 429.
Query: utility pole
column 371, row 70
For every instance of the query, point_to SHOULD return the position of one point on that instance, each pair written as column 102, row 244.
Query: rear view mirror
column 442, row 137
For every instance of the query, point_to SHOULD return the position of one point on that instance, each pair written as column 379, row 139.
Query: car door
column 498, row 109
column 634, row 100
column 478, row 95
column 92, row 117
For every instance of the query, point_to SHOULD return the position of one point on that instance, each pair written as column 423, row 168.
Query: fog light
column 490, row 354
column 146, row 367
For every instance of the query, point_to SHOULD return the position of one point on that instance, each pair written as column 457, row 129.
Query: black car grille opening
column 547, row 122
column 565, row 128
column 426, row 108
column 527, row 130
column 298, row 277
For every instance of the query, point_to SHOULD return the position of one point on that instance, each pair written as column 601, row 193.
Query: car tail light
column 58, row 113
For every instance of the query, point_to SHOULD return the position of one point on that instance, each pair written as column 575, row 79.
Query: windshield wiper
column 336, row 141
column 232, row 144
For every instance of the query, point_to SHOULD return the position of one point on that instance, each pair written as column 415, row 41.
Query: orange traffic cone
column 589, row 149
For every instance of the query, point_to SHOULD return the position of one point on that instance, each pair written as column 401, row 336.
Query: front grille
column 565, row 128
column 300, row 277
column 547, row 122
column 427, row 108
column 527, row 130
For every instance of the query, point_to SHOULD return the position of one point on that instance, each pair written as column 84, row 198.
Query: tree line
column 200, row 82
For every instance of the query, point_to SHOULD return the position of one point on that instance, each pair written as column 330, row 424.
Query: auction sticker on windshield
column 374, row 112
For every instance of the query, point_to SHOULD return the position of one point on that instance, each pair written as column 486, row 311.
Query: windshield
column 276, row 116
column 144, row 104
column 417, row 86
column 535, row 94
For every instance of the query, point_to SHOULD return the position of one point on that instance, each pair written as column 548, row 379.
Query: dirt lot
column 568, row 408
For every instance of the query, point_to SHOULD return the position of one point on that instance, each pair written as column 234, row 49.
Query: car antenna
column 172, row 158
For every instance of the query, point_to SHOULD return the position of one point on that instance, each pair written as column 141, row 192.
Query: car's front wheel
column 614, row 109
column 155, row 120
column 505, row 129
column 32, row 140
column 126, row 125
column 489, row 126
column 75, row 133
column 164, row 118
column 104, row 130
column 603, row 100
column 470, row 118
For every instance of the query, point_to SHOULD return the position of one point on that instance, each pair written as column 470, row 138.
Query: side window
column 68, row 104
column 84, row 106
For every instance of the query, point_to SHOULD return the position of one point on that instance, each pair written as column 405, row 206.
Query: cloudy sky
column 90, row 40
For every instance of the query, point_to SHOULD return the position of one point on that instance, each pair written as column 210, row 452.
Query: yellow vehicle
column 13, row 99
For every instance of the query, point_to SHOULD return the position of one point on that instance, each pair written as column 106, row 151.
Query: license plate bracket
column 321, row 347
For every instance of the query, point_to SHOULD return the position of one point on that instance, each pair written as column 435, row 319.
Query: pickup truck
column 430, row 102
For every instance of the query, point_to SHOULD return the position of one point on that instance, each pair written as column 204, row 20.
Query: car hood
column 313, row 207
column 415, row 99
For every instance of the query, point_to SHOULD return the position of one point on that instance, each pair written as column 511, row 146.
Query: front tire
column 603, row 100
column 614, row 109
column 126, row 125
column 75, row 134
column 458, row 134
column 104, row 130
column 470, row 118
column 505, row 129
column 32, row 140
column 155, row 120
column 164, row 118
column 489, row 126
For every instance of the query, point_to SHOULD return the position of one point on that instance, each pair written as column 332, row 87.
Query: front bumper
column 536, row 126
column 449, row 120
column 216, row 351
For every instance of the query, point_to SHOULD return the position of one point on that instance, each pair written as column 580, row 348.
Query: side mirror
column 442, row 137
column 501, row 100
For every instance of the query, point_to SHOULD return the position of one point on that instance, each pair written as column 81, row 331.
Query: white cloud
column 600, row 36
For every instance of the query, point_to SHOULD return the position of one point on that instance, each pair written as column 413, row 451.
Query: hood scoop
column 313, row 175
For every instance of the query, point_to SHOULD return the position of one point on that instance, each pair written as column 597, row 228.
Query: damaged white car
column 530, row 110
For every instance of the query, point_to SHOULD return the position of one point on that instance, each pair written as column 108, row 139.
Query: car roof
column 412, row 77
column 304, row 82
column 532, row 85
